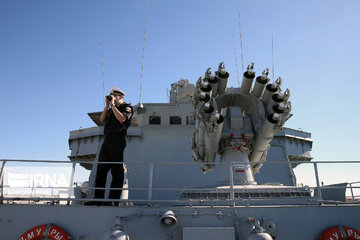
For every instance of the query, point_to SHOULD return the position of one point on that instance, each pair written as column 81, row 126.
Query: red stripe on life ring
column 351, row 233
column 340, row 233
column 34, row 233
column 54, row 232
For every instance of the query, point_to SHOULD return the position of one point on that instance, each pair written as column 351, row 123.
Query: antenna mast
column 236, row 65
column 241, row 47
column 272, row 55
column 102, row 69
column 143, row 51
column 177, row 87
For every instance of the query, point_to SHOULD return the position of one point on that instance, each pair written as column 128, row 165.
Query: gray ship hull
column 92, row 223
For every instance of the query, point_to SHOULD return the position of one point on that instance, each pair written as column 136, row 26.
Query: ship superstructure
column 213, row 163
column 163, row 133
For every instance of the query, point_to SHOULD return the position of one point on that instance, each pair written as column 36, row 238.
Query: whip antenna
column 102, row 68
column 143, row 51
column 177, row 87
column 272, row 55
column 241, row 47
column 236, row 65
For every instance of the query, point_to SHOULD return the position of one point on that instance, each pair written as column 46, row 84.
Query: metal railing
column 232, row 200
column 354, row 197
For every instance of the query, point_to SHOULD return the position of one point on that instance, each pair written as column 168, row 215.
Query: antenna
column 241, row 47
column 177, row 87
column 236, row 65
column 143, row 51
column 130, row 92
column 272, row 55
column 102, row 68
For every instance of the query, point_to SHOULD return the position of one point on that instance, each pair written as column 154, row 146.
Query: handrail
column 190, row 202
column 175, row 163
column 2, row 179
column 150, row 187
column 176, row 189
column 358, row 182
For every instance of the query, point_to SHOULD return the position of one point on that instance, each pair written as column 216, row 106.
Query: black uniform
column 112, row 150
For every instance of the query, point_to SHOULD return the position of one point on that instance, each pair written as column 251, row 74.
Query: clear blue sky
column 50, row 71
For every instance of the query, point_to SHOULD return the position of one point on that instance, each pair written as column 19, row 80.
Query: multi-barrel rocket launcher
column 237, row 123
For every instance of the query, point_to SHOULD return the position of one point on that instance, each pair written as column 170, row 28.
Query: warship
column 216, row 162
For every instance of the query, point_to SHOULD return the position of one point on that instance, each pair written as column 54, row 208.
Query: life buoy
column 45, row 231
column 340, row 233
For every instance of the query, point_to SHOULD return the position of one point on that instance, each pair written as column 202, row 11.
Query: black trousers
column 112, row 150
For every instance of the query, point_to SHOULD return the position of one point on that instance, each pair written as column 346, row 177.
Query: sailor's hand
column 107, row 101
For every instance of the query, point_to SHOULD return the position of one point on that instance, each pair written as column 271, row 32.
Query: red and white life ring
column 45, row 231
column 340, row 233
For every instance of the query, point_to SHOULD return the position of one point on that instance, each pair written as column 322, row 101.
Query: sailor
column 116, row 116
